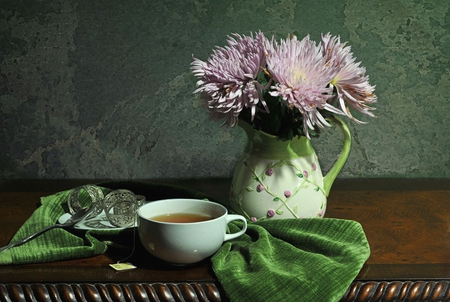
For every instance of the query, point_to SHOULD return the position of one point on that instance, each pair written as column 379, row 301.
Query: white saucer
column 99, row 223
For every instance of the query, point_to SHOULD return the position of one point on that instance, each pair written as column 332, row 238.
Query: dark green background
column 102, row 89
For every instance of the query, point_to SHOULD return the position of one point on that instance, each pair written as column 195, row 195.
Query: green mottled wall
column 102, row 89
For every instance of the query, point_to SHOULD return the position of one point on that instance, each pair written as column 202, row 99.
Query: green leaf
column 276, row 199
column 249, row 189
column 300, row 175
column 279, row 212
column 269, row 166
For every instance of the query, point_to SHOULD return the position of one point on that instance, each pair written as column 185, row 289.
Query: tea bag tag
column 122, row 266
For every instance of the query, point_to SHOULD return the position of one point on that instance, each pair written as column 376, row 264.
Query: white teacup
column 183, row 243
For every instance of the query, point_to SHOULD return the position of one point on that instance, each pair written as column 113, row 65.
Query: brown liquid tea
column 182, row 217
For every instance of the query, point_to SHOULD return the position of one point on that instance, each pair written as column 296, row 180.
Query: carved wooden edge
column 198, row 292
column 374, row 291
column 360, row 291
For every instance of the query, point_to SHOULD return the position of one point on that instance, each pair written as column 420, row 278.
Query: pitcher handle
column 334, row 171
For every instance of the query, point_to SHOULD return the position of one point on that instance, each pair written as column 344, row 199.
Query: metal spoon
column 74, row 219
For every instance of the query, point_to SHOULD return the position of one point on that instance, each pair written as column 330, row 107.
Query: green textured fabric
column 55, row 244
column 292, row 260
column 62, row 244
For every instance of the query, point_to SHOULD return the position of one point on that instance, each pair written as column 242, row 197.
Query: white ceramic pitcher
column 276, row 179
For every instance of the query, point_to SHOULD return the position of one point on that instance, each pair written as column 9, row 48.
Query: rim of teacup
column 152, row 203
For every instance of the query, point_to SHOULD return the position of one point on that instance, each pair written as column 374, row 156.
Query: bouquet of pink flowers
column 285, row 89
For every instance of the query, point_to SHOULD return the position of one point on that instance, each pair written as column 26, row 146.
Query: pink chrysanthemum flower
column 352, row 86
column 302, row 79
column 227, row 80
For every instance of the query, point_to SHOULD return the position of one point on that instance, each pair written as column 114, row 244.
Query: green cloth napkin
column 55, row 244
column 62, row 244
column 312, row 259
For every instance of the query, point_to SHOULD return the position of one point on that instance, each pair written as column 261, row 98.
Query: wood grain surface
column 407, row 223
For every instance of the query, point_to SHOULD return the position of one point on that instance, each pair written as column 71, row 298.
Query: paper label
column 122, row 266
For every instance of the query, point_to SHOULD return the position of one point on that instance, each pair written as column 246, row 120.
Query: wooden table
column 407, row 223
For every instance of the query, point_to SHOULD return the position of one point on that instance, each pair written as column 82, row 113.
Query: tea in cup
column 185, row 231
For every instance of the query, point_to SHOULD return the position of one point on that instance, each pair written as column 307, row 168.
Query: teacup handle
column 231, row 217
column 339, row 164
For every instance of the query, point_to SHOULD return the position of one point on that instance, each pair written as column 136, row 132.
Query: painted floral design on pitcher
column 276, row 179
column 284, row 198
